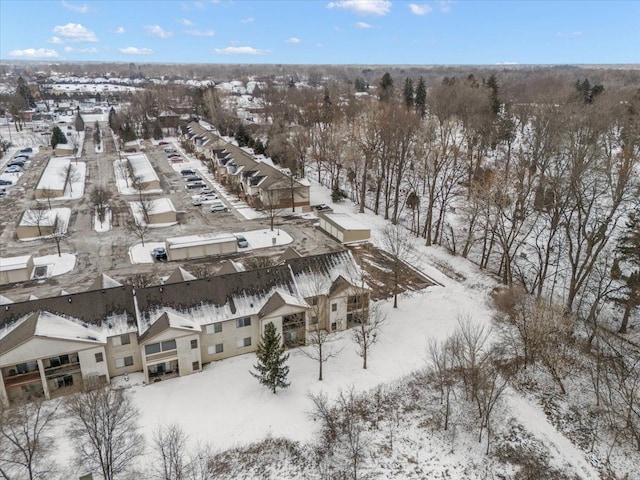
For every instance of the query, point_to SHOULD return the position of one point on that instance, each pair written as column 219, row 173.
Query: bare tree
column 169, row 442
column 122, row 171
column 366, row 332
column 59, row 232
column 26, row 441
column 443, row 373
column 36, row 216
column 271, row 202
column 104, row 430
column 139, row 228
column 100, row 197
column 70, row 175
column 400, row 245
column 491, row 386
column 47, row 194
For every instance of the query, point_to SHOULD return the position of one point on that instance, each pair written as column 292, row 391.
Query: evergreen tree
column 57, row 136
column 242, row 137
column 157, row 131
column 421, row 98
column 407, row 93
column 360, row 85
column 24, row 92
column 386, row 87
column 271, row 369
column 492, row 84
column 629, row 250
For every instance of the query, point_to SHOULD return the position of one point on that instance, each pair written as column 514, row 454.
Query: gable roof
column 230, row 267
column 280, row 299
column 289, row 254
column 166, row 321
column 179, row 275
column 47, row 324
column 104, row 281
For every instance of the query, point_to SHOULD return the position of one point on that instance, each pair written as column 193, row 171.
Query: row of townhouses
column 255, row 178
column 54, row 346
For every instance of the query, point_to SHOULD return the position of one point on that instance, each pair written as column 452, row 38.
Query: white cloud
column 363, row 25
column 81, row 50
column 247, row 20
column 157, row 31
column 570, row 34
column 200, row 33
column 75, row 32
column 420, row 9
column 55, row 40
column 76, row 8
column 120, row 30
column 445, row 6
column 34, row 53
column 185, row 22
column 240, row 51
column 136, row 51
column 363, row 7
column 293, row 40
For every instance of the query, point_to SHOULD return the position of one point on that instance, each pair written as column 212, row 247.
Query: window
column 244, row 342
column 219, row 348
column 99, row 357
column 124, row 362
column 215, row 328
column 159, row 347
column 195, row 366
column 334, row 325
column 334, row 307
column 121, row 340
column 314, row 301
column 194, row 344
column 243, row 322
column 314, row 320
column 61, row 382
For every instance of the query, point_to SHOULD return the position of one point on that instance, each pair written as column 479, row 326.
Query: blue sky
column 322, row 32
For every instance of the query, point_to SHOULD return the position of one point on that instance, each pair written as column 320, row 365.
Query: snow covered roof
column 13, row 263
column 166, row 321
column 50, row 325
column 54, row 175
column 280, row 299
column 179, row 275
column 344, row 221
column 142, row 168
column 5, row 300
column 195, row 240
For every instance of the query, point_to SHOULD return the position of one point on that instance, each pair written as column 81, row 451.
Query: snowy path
column 563, row 453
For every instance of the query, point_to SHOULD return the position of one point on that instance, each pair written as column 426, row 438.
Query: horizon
column 341, row 32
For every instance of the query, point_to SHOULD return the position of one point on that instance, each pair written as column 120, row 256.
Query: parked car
column 163, row 143
column 207, row 197
column 27, row 150
column 195, row 178
column 194, row 185
column 206, row 190
column 21, row 157
column 322, row 206
column 129, row 150
column 175, row 159
column 197, row 201
column 170, row 150
column 3, row 192
column 242, row 242
column 16, row 163
column 5, row 182
column 185, row 172
column 13, row 169
column 218, row 207
column 159, row 254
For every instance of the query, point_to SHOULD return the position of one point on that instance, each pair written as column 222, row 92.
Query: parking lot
column 107, row 252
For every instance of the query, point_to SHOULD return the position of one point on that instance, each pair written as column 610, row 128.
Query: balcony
column 66, row 369
column 22, row 379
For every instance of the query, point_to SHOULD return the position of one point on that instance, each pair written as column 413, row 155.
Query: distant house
column 200, row 246
column 159, row 211
column 36, row 223
column 143, row 171
column 58, row 345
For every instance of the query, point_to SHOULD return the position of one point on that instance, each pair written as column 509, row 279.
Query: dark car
column 26, row 150
column 16, row 163
column 194, row 178
column 187, row 172
column 5, row 182
column 163, row 143
column 194, row 185
column 159, row 254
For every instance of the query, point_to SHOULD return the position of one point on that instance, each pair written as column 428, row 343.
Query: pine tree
column 386, row 88
column 421, row 98
column 407, row 93
column 57, row 136
column 271, row 369
column 629, row 250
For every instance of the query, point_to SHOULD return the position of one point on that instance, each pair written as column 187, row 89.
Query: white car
column 218, row 207
column 13, row 169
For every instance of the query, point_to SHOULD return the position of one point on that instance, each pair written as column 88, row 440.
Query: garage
column 343, row 227
column 199, row 246
column 15, row 269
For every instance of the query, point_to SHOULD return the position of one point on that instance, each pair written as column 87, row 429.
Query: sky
column 418, row 32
